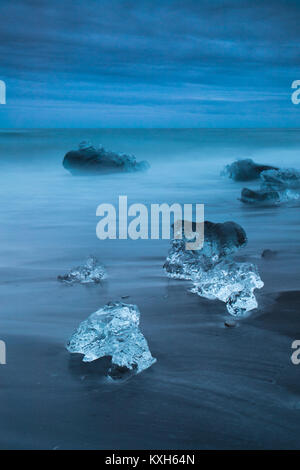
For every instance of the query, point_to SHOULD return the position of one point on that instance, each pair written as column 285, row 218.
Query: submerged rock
column 90, row 272
column 245, row 170
column 88, row 159
column 212, row 270
column 113, row 331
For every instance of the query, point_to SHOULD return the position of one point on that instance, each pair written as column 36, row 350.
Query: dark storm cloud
column 173, row 58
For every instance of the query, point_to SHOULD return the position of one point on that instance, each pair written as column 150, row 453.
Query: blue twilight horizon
column 125, row 63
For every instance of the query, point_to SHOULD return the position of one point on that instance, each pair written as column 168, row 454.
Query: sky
column 149, row 63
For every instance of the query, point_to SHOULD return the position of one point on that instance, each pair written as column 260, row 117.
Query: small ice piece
column 245, row 170
column 220, row 240
column 113, row 331
column 90, row 272
column 91, row 160
column 280, row 179
column 230, row 282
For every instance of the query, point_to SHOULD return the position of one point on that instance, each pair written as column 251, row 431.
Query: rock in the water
column 213, row 272
column 88, row 159
column 245, row 170
column 113, row 331
column 90, row 272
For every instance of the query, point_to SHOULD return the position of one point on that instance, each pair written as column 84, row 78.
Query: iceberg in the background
column 212, row 270
column 245, row 170
column 89, row 272
column 113, row 331
column 88, row 159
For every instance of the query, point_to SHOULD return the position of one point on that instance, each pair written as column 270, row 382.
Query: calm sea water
column 48, row 222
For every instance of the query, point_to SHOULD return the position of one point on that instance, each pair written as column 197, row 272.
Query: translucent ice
column 220, row 240
column 245, row 170
column 213, row 272
column 91, row 271
column 268, row 197
column 89, row 159
column 280, row 179
column 260, row 197
column 113, row 331
column 230, row 282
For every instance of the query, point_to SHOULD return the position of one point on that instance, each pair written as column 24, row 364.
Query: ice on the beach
column 245, row 170
column 90, row 159
column 215, row 275
column 113, row 331
column 268, row 197
column 280, row 179
column 230, row 282
column 277, row 186
column 220, row 240
column 90, row 272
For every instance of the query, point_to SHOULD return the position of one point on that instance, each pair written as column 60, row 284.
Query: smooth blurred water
column 48, row 225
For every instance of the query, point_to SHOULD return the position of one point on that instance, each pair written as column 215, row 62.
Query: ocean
column 212, row 387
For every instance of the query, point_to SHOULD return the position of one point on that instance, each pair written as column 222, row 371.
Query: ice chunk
column 245, row 170
column 113, row 331
column 268, row 197
column 260, row 196
column 89, row 159
column 91, row 271
column 220, row 240
column 230, row 282
column 213, row 272
column 280, row 179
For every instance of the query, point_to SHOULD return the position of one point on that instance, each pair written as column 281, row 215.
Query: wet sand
column 212, row 388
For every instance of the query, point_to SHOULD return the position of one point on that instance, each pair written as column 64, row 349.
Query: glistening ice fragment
column 215, row 275
column 230, row 282
column 90, row 272
column 113, row 331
